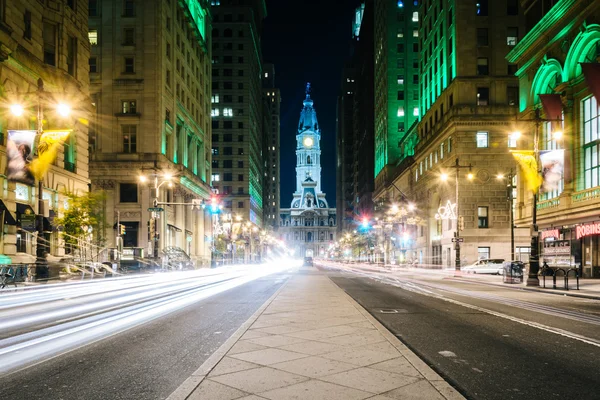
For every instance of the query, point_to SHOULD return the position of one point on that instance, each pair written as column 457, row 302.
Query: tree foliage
column 83, row 211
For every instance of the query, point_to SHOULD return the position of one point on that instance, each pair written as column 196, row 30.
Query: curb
column 190, row 384
column 443, row 387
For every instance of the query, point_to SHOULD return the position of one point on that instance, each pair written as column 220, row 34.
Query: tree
column 83, row 211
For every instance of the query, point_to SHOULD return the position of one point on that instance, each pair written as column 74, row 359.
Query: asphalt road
column 488, row 356
column 148, row 361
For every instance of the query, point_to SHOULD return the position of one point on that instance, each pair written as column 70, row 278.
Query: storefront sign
column 588, row 229
column 550, row 233
column 557, row 247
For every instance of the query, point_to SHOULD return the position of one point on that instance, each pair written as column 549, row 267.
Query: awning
column 22, row 208
column 553, row 108
column 591, row 72
column 8, row 217
column 174, row 227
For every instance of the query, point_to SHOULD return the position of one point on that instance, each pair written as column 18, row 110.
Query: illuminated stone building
column 468, row 106
column 396, row 52
column 271, row 148
column 150, row 74
column 238, row 107
column 559, row 75
column 44, row 40
column 309, row 225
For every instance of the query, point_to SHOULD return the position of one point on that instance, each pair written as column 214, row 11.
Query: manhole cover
column 390, row 311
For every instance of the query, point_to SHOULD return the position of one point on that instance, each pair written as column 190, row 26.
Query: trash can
column 513, row 271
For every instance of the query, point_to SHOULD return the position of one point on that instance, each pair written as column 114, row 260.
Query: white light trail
column 46, row 322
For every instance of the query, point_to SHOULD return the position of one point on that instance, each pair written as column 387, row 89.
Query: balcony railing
column 589, row 194
column 552, row 203
column 69, row 166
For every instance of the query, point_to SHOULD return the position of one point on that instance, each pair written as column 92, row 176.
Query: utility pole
column 457, row 238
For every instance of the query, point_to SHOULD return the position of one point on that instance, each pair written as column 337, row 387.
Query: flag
column 529, row 166
column 19, row 154
column 46, row 150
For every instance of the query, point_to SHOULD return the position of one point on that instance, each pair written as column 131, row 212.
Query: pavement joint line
column 191, row 383
column 443, row 387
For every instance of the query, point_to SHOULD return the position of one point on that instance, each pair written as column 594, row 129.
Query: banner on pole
column 553, row 163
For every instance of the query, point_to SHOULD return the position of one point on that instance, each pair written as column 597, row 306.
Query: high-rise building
column 150, row 75
column 271, row 148
column 47, row 44
column 558, row 59
column 238, row 107
column 354, row 125
column 309, row 225
column 397, row 81
column 468, row 103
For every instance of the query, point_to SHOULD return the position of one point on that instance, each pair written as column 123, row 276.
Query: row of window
column 227, row 151
column 227, row 164
column 512, row 36
column 216, row 98
column 227, row 177
column 227, row 112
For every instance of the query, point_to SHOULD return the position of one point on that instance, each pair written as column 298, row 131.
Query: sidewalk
column 312, row 341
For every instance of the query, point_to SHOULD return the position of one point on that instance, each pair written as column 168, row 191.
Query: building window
column 512, row 36
column 415, row 16
column 400, row 95
column 512, row 7
column 591, row 141
column 401, row 126
column 482, row 66
column 240, row 177
column 482, row 139
column 128, row 37
column 129, row 138
column 416, row 112
column 400, row 79
column 129, row 10
column 481, row 7
column 129, row 65
column 27, row 21
column 49, row 36
column 512, row 95
column 483, row 253
column 400, row 112
column 227, row 163
column 128, row 192
column 483, row 96
column 482, row 217
column 215, row 177
column 228, row 137
column 93, row 8
column 215, row 151
column 241, row 203
column 482, row 37
column 512, row 69
column 215, row 163
column 240, row 151
column 227, row 151
column 240, row 164
column 128, row 107
column 93, row 64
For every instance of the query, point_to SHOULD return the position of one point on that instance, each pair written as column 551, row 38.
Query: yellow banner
column 47, row 149
column 529, row 166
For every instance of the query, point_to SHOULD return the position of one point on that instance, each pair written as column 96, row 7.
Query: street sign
column 156, row 209
column 460, row 240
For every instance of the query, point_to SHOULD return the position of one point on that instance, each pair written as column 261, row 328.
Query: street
column 489, row 342
column 130, row 338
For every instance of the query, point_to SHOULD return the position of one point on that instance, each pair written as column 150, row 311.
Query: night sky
column 307, row 41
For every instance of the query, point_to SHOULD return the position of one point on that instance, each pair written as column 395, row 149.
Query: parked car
column 485, row 266
column 308, row 261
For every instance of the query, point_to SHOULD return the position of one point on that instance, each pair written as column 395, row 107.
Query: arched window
column 308, row 160
column 309, row 237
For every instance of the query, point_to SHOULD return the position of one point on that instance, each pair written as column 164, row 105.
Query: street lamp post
column 534, row 260
column 64, row 110
column 166, row 178
column 458, row 167
column 510, row 187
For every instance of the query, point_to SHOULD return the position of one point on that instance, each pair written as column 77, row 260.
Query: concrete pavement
column 313, row 341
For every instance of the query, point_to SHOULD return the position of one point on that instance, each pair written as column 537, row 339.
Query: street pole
column 534, row 261
column 41, row 262
column 155, row 221
column 457, row 235
column 512, row 215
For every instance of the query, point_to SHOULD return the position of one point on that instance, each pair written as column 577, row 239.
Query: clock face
column 308, row 142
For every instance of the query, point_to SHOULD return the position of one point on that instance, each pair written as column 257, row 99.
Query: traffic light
column 121, row 229
column 214, row 205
